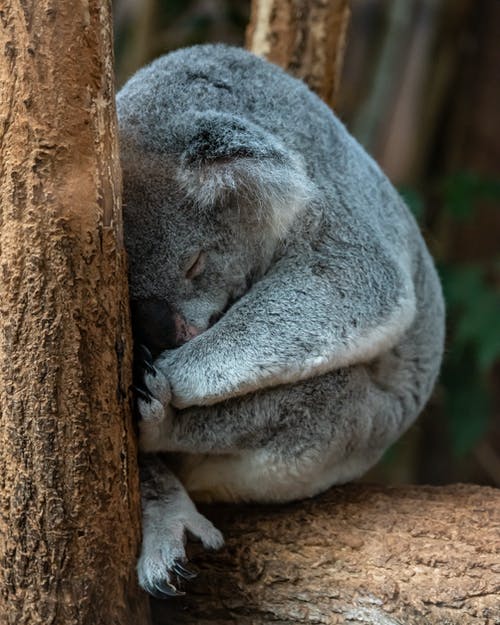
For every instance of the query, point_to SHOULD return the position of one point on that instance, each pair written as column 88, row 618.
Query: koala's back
column 358, row 203
column 227, row 80
column 224, row 79
column 358, row 216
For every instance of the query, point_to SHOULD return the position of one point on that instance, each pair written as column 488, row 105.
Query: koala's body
column 293, row 310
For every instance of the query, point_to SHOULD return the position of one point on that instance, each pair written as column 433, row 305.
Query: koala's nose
column 184, row 332
column 153, row 325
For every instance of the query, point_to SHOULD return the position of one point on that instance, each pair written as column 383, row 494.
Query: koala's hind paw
column 153, row 403
column 162, row 564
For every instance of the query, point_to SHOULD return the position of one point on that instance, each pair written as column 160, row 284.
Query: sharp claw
column 150, row 368
column 168, row 590
column 184, row 571
column 145, row 354
column 142, row 394
column 155, row 593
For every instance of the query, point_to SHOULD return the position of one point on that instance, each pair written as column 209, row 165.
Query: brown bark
column 360, row 554
column 305, row 37
column 69, row 509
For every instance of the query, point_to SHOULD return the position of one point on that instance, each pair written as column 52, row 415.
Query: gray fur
column 319, row 313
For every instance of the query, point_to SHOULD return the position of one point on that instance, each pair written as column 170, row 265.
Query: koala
column 288, row 316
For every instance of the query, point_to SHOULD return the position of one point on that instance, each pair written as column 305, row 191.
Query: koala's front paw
column 191, row 381
column 163, row 559
column 153, row 403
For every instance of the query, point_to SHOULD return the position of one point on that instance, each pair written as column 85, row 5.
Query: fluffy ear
column 226, row 159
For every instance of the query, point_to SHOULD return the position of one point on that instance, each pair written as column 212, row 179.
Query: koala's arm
column 310, row 314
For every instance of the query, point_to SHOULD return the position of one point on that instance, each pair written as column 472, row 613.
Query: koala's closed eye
column 195, row 265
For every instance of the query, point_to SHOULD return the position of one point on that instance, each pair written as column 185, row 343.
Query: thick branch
column 363, row 555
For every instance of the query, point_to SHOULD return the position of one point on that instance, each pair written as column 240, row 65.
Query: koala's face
column 207, row 200
column 186, row 264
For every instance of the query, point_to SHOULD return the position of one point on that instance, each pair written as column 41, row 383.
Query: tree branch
column 360, row 554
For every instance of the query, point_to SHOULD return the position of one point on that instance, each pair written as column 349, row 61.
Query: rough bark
column 305, row 37
column 69, row 509
column 360, row 554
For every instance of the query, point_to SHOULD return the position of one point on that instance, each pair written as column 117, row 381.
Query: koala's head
column 206, row 203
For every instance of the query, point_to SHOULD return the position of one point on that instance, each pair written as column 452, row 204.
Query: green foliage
column 474, row 332
column 474, row 307
column 461, row 192
column 473, row 312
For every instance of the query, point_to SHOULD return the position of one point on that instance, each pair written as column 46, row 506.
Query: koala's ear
column 224, row 159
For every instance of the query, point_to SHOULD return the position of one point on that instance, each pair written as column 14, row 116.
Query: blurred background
column 420, row 90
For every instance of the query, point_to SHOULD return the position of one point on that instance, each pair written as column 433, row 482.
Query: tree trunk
column 69, row 505
column 360, row 555
column 305, row 37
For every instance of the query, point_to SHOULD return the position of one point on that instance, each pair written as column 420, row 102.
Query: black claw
column 142, row 394
column 150, row 368
column 145, row 354
column 184, row 571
